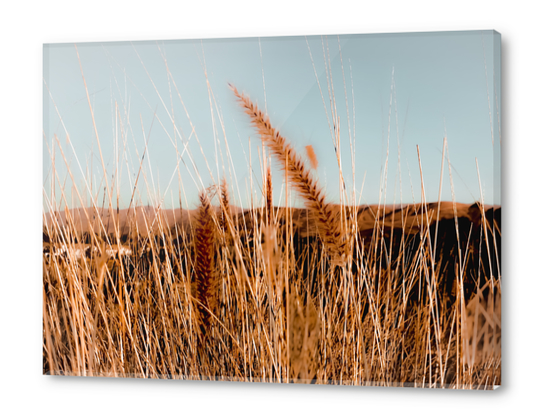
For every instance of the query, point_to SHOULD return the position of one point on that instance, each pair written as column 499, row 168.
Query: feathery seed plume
column 206, row 287
column 300, row 176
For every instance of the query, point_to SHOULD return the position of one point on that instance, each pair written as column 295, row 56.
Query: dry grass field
column 326, row 293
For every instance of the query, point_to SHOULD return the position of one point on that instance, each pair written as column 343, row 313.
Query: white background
column 25, row 393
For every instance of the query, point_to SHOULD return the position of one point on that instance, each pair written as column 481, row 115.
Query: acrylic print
column 320, row 209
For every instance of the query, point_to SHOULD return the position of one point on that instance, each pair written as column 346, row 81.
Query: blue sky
column 439, row 84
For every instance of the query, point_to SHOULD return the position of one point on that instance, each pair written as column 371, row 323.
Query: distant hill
column 145, row 219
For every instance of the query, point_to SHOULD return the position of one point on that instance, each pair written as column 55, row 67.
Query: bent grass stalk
column 300, row 177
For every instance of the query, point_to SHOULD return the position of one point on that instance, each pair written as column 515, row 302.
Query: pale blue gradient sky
column 440, row 87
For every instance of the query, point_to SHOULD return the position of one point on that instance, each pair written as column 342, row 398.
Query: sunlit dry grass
column 276, row 294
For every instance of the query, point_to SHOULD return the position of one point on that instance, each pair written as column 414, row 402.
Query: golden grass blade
column 206, row 284
column 301, row 178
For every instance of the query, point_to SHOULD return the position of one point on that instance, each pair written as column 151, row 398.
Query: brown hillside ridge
column 142, row 220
